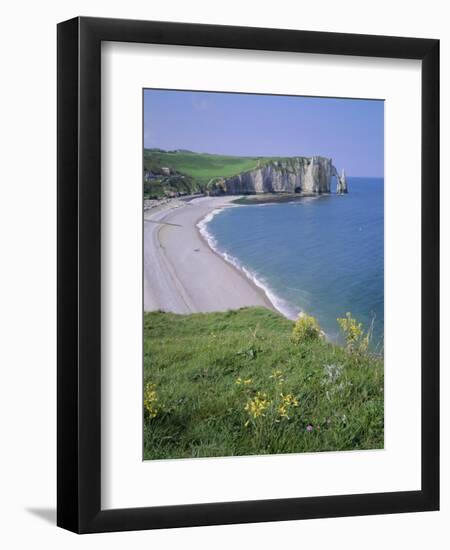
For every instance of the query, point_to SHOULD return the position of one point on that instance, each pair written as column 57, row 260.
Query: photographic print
column 263, row 274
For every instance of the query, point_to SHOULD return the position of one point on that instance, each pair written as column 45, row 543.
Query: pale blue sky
column 350, row 131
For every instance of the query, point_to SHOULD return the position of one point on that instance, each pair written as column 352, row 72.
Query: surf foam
column 280, row 304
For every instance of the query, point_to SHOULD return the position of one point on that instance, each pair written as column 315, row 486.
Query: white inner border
column 127, row 480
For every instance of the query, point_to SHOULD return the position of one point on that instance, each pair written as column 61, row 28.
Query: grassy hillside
column 190, row 172
column 235, row 383
column 201, row 166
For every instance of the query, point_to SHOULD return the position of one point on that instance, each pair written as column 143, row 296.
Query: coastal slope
column 182, row 274
column 202, row 373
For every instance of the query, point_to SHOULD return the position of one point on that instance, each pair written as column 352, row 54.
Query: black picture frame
column 79, row 280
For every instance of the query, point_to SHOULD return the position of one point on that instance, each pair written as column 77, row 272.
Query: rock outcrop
column 341, row 185
column 291, row 175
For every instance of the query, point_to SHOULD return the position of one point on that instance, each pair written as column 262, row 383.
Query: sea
column 320, row 255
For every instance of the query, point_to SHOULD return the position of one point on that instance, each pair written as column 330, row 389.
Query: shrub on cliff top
column 306, row 329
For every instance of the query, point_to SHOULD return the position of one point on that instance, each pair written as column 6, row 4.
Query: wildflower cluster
column 257, row 405
column 151, row 400
column 355, row 337
column 287, row 403
column 272, row 406
column 306, row 329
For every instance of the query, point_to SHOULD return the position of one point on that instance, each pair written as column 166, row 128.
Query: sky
column 350, row 131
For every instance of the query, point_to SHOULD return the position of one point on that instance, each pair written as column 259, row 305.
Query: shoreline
column 183, row 273
column 270, row 296
column 240, row 272
column 275, row 198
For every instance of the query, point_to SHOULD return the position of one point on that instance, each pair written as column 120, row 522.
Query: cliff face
column 292, row 175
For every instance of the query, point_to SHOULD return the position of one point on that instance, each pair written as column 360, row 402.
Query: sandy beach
column 182, row 274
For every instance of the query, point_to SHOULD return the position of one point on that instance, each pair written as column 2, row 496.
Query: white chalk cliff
column 309, row 175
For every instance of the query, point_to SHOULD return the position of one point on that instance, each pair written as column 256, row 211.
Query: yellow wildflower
column 257, row 406
column 306, row 329
column 151, row 400
column 353, row 333
column 287, row 402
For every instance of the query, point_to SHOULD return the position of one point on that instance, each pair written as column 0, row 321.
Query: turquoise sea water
column 324, row 255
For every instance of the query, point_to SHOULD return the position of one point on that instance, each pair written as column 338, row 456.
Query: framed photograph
column 248, row 288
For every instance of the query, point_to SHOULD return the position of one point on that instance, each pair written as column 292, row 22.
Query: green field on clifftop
column 201, row 166
column 234, row 383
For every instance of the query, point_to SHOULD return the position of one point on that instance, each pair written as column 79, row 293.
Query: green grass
column 201, row 167
column 195, row 360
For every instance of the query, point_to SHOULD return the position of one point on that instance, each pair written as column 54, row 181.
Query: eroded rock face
column 292, row 175
column 341, row 185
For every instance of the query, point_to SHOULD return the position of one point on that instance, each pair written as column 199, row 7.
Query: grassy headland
column 241, row 382
column 173, row 173
column 180, row 171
